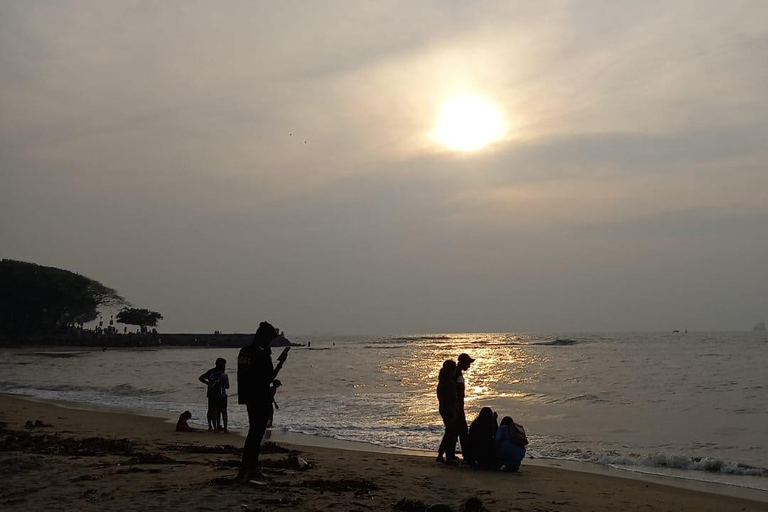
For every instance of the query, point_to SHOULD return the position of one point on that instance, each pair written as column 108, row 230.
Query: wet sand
column 92, row 460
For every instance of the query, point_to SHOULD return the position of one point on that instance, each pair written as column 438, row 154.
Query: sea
column 690, row 406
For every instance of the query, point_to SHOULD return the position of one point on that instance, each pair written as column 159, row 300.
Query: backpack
column 517, row 435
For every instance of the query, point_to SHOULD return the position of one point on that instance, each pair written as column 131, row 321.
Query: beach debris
column 90, row 495
column 283, row 501
column 227, row 463
column 225, row 481
column 409, row 505
column 88, row 478
column 12, row 501
column 293, row 462
column 473, row 504
column 272, row 447
column 245, row 506
column 54, row 444
column 359, row 486
column 195, row 448
column 136, row 470
column 11, row 464
column 153, row 458
column 36, row 424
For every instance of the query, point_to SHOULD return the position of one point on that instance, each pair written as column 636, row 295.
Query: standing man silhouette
column 462, row 364
column 255, row 373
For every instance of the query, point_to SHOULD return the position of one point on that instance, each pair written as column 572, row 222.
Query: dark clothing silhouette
column 254, row 375
column 480, row 449
column 511, row 441
column 447, row 398
column 258, row 416
column 461, row 419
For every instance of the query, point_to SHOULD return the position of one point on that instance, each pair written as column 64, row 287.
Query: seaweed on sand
column 54, row 444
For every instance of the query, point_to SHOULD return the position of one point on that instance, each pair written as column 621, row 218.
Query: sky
column 228, row 163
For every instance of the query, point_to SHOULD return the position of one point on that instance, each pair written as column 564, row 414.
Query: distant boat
column 759, row 326
column 676, row 330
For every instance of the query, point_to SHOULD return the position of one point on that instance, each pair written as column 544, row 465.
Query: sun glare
column 469, row 123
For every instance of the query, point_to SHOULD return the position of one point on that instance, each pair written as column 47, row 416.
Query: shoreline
column 318, row 446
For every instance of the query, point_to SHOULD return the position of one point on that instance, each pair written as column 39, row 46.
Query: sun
column 469, row 123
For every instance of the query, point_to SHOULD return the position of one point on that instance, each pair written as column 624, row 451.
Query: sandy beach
column 68, row 458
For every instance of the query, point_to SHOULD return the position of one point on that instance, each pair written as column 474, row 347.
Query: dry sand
column 88, row 460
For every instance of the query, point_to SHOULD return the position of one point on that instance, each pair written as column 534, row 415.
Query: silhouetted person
column 462, row 365
column 510, row 444
column 481, row 446
column 273, row 404
column 182, row 425
column 254, row 375
column 218, row 382
column 447, row 397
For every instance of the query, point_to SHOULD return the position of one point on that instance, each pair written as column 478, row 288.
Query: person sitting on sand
column 182, row 425
column 510, row 444
column 481, row 445
column 447, row 398
column 218, row 382
column 273, row 405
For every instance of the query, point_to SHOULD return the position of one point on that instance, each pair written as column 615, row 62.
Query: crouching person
column 510, row 444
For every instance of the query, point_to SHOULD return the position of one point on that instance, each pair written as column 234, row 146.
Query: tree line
column 41, row 299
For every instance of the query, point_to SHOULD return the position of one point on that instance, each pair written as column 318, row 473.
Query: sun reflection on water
column 503, row 367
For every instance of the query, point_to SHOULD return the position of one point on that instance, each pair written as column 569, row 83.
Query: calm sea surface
column 687, row 405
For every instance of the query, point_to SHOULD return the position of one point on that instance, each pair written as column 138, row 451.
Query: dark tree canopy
column 36, row 298
column 141, row 317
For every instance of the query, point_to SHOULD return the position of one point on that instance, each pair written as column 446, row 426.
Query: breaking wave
column 565, row 342
column 67, row 391
column 675, row 461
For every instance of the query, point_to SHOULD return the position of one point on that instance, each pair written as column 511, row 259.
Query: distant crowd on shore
column 485, row 443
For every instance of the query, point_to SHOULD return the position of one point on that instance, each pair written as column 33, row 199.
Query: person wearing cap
column 462, row 364
column 255, row 373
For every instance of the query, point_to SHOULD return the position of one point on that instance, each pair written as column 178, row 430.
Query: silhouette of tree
column 36, row 298
column 142, row 317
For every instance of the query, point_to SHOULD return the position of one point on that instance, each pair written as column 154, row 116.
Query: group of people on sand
column 485, row 443
column 257, row 384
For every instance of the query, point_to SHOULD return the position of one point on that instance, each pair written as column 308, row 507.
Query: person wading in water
column 255, row 373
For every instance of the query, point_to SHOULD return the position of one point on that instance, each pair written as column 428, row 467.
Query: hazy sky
column 159, row 147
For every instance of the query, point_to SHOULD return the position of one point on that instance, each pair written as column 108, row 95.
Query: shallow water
column 688, row 405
